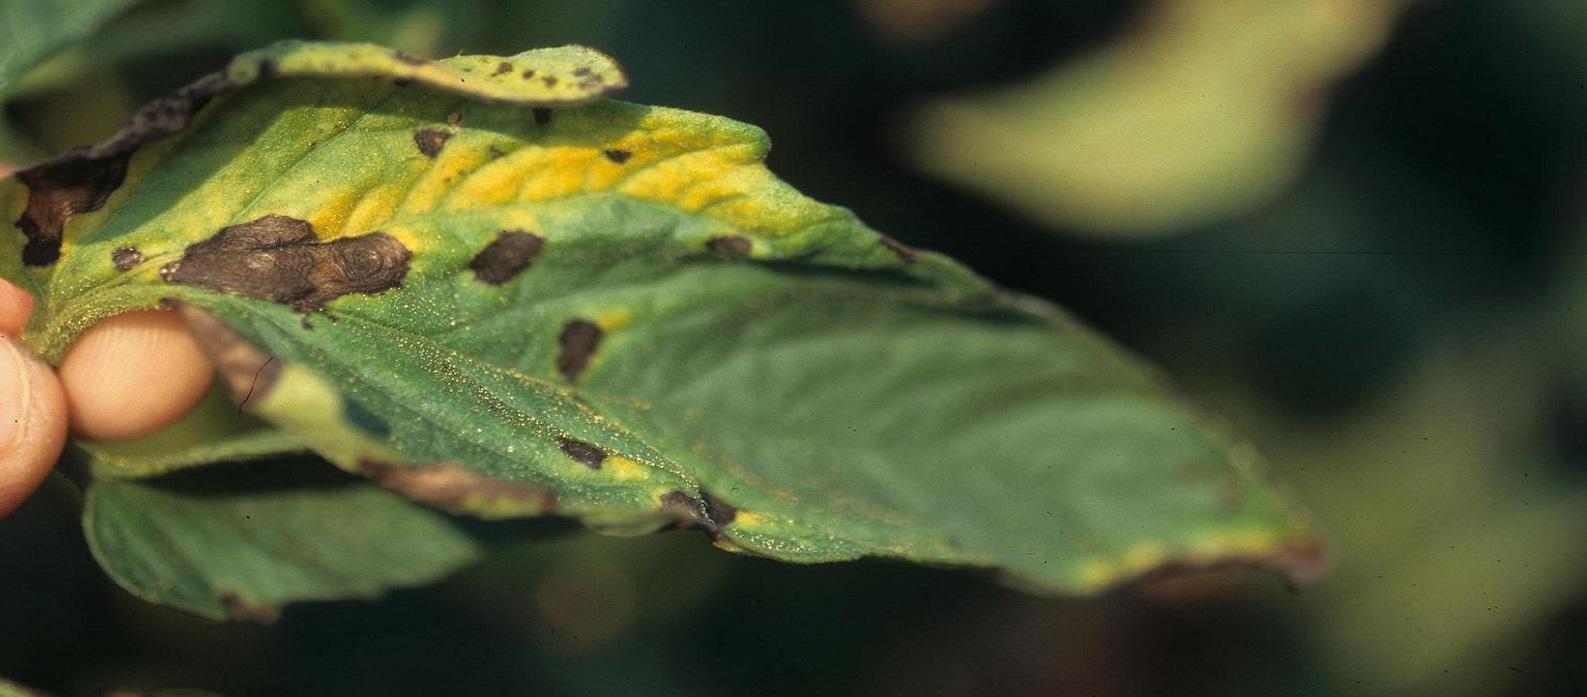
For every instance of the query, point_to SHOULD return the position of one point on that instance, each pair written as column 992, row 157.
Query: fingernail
column 13, row 395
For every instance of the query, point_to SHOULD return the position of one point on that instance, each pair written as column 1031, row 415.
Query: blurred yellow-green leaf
column 1202, row 110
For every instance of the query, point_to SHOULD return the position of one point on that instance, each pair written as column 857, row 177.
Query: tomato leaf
column 504, row 296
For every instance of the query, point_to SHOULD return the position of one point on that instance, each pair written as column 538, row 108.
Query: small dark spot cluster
column 126, row 257
column 542, row 115
column 578, row 341
column 506, row 256
column 733, row 246
column 527, row 74
column 618, row 156
column 549, row 80
column 430, row 141
column 279, row 258
column 503, row 68
column 582, row 452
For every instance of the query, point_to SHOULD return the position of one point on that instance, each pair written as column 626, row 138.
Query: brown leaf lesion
column 82, row 179
column 430, row 141
column 505, row 257
column 456, row 489
column 577, row 343
column 279, row 258
column 707, row 512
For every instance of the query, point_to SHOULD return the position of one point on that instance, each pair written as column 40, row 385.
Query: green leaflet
column 616, row 313
column 241, row 541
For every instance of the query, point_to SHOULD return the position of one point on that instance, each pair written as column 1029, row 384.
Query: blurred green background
column 1354, row 227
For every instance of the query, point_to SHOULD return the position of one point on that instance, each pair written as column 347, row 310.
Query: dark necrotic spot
column 900, row 249
column 542, row 115
column 581, row 451
column 720, row 512
column 527, row 74
column 267, row 69
column 503, row 68
column 83, row 179
column 618, row 156
column 57, row 190
column 578, row 339
column 582, row 71
column 549, row 80
column 126, row 257
column 689, row 512
column 506, row 256
column 430, row 140
column 279, row 258
column 730, row 246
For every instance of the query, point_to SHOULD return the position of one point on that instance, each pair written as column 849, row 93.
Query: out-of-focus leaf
column 31, row 30
column 11, row 689
column 914, row 21
column 616, row 313
column 1455, row 533
column 241, row 541
column 425, row 27
column 1204, row 110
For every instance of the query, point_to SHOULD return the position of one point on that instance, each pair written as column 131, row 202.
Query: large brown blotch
column 83, row 179
column 279, row 258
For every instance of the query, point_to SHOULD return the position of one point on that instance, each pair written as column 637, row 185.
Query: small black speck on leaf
column 430, row 141
column 126, row 257
column 734, row 246
column 583, row 452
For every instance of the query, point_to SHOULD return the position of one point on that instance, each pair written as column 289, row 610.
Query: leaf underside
column 508, row 304
column 239, row 542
